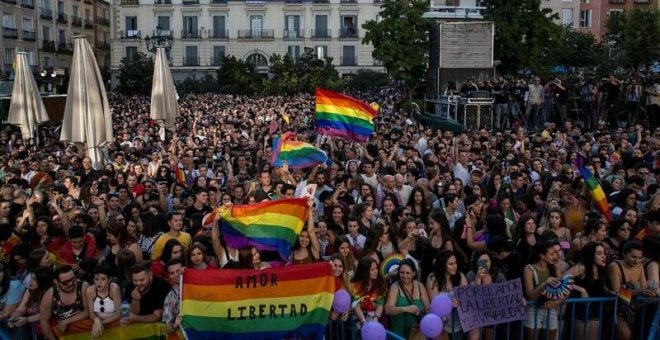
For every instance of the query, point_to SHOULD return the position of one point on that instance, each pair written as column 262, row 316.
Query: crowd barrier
column 601, row 313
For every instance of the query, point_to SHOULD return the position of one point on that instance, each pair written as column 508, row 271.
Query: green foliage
column 289, row 77
column 366, row 79
column 525, row 34
column 636, row 34
column 577, row 49
column 191, row 85
column 401, row 40
column 135, row 75
column 238, row 77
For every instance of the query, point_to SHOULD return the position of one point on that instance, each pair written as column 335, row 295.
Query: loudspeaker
column 477, row 116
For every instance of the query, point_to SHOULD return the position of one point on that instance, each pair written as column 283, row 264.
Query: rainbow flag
column 343, row 116
column 597, row 193
column 298, row 155
column 182, row 178
column 626, row 295
column 141, row 331
column 273, row 225
column 273, row 303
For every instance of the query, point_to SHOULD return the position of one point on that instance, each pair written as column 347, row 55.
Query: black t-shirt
column 192, row 211
column 153, row 299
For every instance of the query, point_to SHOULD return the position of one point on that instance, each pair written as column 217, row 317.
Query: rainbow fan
column 560, row 290
column 391, row 263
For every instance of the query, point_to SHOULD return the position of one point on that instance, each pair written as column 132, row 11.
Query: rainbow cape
column 298, row 155
column 273, row 225
column 274, row 303
column 343, row 116
column 597, row 193
column 182, row 178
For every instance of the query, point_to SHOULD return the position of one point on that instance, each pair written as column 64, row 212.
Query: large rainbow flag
column 343, row 116
column 141, row 331
column 298, row 155
column 272, row 225
column 272, row 303
column 597, row 193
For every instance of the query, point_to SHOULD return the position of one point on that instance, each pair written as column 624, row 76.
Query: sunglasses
column 68, row 282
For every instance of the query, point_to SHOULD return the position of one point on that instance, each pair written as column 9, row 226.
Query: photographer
column 611, row 86
column 556, row 103
column 501, row 93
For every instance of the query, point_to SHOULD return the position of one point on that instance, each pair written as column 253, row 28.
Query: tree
column 309, row 72
column 238, row 77
column 577, row 49
column 401, row 40
column 637, row 34
column 366, row 79
column 525, row 34
column 135, row 74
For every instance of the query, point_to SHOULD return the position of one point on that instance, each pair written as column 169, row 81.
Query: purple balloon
column 373, row 330
column 342, row 301
column 431, row 325
column 441, row 305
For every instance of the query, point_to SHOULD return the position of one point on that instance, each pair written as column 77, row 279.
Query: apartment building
column 205, row 30
column 594, row 13
column 568, row 11
column 18, row 32
column 102, row 33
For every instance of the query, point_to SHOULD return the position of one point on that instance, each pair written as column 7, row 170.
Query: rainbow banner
column 343, row 116
column 182, row 178
column 141, row 331
column 273, row 303
column 298, row 155
column 271, row 225
column 597, row 193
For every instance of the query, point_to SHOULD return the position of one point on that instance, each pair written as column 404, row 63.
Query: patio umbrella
column 87, row 119
column 164, row 108
column 26, row 109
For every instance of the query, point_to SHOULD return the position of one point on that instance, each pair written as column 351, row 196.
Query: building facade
column 594, row 13
column 568, row 11
column 18, row 33
column 203, row 31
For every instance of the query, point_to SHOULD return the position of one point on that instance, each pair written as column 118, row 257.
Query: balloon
column 341, row 301
column 373, row 330
column 441, row 305
column 375, row 106
column 431, row 325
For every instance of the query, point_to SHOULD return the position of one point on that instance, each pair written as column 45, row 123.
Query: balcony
column 75, row 21
column 64, row 47
column 217, row 61
column 218, row 2
column 29, row 35
column 62, row 18
column 130, row 2
column 296, row 34
column 190, row 61
column 163, row 2
column 89, row 24
column 104, row 46
column 218, row 34
column 293, row 2
column 9, row 33
column 348, row 33
column 191, row 34
column 13, row 2
column 323, row 33
column 48, row 46
column 617, row 1
column 162, row 33
column 130, row 34
column 256, row 34
column 102, row 21
column 321, row 2
column 190, row 2
column 27, row 3
column 440, row 11
column 348, row 2
column 46, row 13
column 348, row 60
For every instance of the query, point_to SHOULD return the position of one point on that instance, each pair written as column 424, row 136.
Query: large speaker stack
column 476, row 113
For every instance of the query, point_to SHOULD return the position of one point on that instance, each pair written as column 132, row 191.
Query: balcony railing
column 130, row 2
column 642, row 1
column 255, row 34
column 190, row 61
column 62, row 18
column 13, row 2
column 217, row 60
column 218, row 34
column 75, row 21
column 27, row 3
column 321, row 2
column 102, row 21
column 191, row 34
column 617, row 1
column 293, row 34
column 46, row 13
column 104, row 45
column 89, row 23
column 348, row 33
column 454, row 12
column 349, row 60
column 354, row 2
column 190, row 2
column 65, row 47
column 29, row 35
column 293, row 2
column 10, row 33
column 162, row 33
column 48, row 46
column 218, row 2
column 162, row 2
column 323, row 33
column 130, row 34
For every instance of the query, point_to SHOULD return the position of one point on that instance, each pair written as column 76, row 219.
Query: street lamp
column 160, row 38
column 48, row 78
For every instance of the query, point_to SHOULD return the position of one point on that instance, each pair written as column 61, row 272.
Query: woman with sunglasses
column 104, row 297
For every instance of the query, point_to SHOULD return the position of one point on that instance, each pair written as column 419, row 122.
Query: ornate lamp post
column 160, row 38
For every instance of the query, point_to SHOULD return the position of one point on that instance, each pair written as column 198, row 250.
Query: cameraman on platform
column 501, row 94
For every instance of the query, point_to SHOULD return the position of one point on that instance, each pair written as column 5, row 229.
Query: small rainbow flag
column 271, row 225
column 274, row 303
column 182, row 178
column 597, row 193
column 343, row 116
column 626, row 295
column 298, row 155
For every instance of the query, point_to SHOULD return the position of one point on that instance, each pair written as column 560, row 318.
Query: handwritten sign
column 485, row 305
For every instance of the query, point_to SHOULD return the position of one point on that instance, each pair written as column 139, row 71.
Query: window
column 61, row 36
column 48, row 62
column 8, row 20
column 46, row 32
column 321, row 22
column 256, row 25
column 219, row 30
column 616, row 11
column 585, row 18
column 87, row 14
column 30, row 58
column 60, row 7
column 257, row 60
column 163, row 21
column 191, row 58
column 131, row 27
column 292, row 23
column 218, row 55
column 348, row 26
column 131, row 52
column 27, row 24
column 45, row 4
column 75, row 11
column 9, row 56
column 567, row 16
column 586, row 1
column 348, row 56
column 321, row 52
column 294, row 52
column 190, row 29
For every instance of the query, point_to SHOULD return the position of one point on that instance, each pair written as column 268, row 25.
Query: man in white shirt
column 534, row 102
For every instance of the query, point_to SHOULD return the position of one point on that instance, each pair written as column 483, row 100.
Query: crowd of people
column 463, row 209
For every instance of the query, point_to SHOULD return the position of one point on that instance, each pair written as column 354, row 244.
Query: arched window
column 257, row 59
